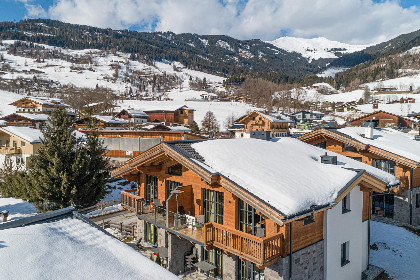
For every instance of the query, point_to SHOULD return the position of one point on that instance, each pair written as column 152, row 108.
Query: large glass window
column 151, row 188
column 213, row 206
column 249, row 220
column 249, row 271
column 151, row 234
column 383, row 205
column 215, row 257
column 384, row 164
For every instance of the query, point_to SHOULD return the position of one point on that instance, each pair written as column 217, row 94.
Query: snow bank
column 287, row 174
column 398, row 251
column 71, row 249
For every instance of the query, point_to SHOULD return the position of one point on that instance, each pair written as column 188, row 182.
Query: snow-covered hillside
column 316, row 48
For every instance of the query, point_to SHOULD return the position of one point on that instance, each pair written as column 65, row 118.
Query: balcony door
column 249, row 220
column 215, row 257
column 213, row 206
column 151, row 188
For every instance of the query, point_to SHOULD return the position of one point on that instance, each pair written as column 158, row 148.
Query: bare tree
column 210, row 125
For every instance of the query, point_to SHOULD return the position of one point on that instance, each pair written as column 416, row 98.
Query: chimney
column 326, row 159
column 5, row 214
column 369, row 132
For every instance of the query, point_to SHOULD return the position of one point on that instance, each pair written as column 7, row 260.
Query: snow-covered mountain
column 316, row 48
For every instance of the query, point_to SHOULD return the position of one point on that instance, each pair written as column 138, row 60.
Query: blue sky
column 351, row 21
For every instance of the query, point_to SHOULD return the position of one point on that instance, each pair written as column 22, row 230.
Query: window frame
column 345, row 253
column 345, row 204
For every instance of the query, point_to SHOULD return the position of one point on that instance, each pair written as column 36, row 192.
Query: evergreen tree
column 194, row 128
column 210, row 125
column 68, row 170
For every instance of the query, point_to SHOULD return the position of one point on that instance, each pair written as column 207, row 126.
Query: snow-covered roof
column 391, row 140
column 26, row 133
column 35, row 117
column 274, row 119
column 110, row 119
column 137, row 113
column 179, row 128
column 285, row 173
column 44, row 101
column 69, row 247
column 170, row 106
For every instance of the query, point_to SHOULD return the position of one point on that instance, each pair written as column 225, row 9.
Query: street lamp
column 176, row 192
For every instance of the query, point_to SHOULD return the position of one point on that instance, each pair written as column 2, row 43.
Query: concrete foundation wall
column 401, row 207
column 177, row 248
column 230, row 267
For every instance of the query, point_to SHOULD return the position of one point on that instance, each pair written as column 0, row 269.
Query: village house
column 387, row 149
column 37, row 105
column 17, row 144
column 257, row 121
column 133, row 116
column 102, row 122
column 26, row 119
column 171, row 115
column 122, row 145
column 236, row 215
column 307, row 116
column 383, row 119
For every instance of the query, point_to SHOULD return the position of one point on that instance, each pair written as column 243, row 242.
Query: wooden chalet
column 187, row 204
column 26, row 119
column 169, row 116
column 36, row 105
column 17, row 144
column 387, row 149
column 133, row 116
column 257, row 121
column 382, row 119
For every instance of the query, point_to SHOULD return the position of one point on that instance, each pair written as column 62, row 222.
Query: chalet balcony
column 261, row 251
column 10, row 150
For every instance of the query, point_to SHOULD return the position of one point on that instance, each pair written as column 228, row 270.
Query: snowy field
column 17, row 208
column 398, row 251
column 99, row 72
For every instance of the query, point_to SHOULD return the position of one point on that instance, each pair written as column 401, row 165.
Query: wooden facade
column 227, row 233
column 33, row 105
column 17, row 119
column 182, row 116
column 382, row 119
column 261, row 122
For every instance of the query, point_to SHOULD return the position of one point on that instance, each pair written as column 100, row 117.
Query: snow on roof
column 179, row 128
column 274, row 119
column 148, row 106
column 35, row 117
column 72, row 249
column 391, row 140
column 17, row 208
column 110, row 119
column 137, row 113
column 26, row 133
column 286, row 173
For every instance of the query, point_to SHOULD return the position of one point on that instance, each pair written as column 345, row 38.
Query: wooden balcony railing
column 131, row 201
column 261, row 251
column 10, row 150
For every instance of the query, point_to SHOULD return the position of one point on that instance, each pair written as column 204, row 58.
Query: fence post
column 132, row 231
column 121, row 227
